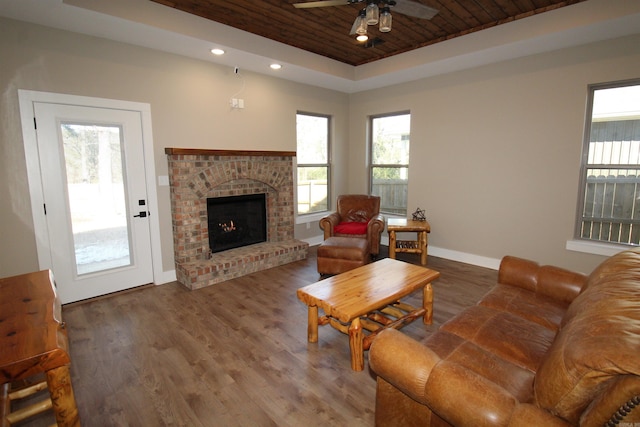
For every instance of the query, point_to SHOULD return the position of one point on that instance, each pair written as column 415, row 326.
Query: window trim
column 302, row 218
column 578, row 243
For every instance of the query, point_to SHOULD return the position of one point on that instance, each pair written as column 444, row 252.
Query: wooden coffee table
column 368, row 298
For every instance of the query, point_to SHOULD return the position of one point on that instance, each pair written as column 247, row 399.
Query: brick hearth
column 195, row 175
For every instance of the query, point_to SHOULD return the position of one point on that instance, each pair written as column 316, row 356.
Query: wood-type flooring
column 232, row 354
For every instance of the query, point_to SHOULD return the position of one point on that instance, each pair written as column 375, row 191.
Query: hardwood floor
column 233, row 354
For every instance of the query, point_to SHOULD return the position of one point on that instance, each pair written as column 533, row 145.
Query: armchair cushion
column 357, row 228
column 358, row 213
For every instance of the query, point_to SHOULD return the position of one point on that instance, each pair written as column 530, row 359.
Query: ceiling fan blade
column 323, row 3
column 411, row 8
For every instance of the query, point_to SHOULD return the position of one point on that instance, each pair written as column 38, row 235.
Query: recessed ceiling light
column 217, row 51
column 275, row 66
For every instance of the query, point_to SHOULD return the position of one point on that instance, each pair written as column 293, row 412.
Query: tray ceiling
column 325, row 30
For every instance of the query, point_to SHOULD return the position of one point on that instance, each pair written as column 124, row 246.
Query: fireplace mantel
column 208, row 152
column 197, row 174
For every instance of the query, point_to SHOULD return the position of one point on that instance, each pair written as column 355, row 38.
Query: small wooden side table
column 33, row 340
column 418, row 246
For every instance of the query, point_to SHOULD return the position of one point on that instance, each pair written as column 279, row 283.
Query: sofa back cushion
column 599, row 339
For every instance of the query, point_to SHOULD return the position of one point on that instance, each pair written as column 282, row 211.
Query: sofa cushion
column 535, row 307
column 515, row 379
column 599, row 340
column 508, row 336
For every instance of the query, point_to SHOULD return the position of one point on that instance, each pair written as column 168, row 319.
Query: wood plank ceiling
column 325, row 30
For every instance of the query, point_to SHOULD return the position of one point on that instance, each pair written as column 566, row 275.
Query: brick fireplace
column 194, row 176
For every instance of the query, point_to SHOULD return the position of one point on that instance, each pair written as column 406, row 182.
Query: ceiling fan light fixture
column 361, row 23
column 385, row 20
column 362, row 37
column 373, row 12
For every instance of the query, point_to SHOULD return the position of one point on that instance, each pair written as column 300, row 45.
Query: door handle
column 142, row 214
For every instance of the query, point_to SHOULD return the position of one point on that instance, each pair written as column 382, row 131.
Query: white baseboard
column 477, row 260
column 165, row 277
column 314, row 241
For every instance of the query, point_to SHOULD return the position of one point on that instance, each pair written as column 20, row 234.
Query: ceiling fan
column 372, row 13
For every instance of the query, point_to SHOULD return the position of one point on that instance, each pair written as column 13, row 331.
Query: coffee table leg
column 427, row 303
column 355, row 345
column 312, row 323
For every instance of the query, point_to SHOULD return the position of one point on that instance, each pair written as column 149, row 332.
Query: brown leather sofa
column 356, row 215
column 545, row 347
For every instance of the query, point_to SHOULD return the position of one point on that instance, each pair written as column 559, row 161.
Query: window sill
column 304, row 219
column 595, row 248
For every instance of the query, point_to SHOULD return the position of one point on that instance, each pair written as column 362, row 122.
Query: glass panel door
column 96, row 196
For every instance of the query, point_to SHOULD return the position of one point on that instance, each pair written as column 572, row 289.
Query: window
column 609, row 209
column 313, row 162
column 389, row 170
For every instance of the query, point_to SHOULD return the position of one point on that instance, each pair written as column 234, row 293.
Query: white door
column 95, row 201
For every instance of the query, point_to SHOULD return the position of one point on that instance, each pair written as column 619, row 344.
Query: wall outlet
column 237, row 103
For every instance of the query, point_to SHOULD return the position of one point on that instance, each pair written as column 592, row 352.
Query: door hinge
column 45, row 208
column 35, row 124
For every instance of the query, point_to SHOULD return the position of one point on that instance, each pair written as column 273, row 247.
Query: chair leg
column 7, row 395
column 5, row 405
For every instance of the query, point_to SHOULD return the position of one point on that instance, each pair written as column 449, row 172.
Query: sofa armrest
column 402, row 362
column 557, row 283
column 328, row 223
column 460, row 396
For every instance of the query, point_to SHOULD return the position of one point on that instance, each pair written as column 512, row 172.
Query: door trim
column 26, row 100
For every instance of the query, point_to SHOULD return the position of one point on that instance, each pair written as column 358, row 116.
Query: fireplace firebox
column 236, row 221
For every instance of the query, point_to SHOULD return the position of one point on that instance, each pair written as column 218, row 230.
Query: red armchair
column 356, row 216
